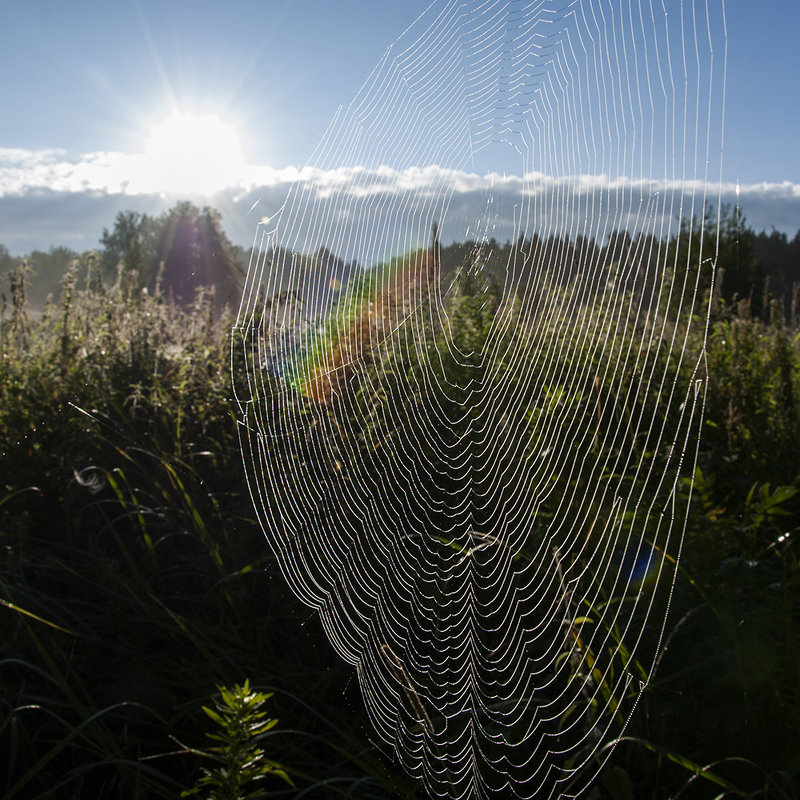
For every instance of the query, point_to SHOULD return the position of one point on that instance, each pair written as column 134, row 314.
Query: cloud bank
column 47, row 198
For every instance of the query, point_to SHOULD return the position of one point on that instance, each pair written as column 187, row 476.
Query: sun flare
column 193, row 154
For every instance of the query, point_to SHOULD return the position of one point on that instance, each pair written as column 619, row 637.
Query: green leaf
column 213, row 714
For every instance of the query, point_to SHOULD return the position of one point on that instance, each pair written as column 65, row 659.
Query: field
column 137, row 588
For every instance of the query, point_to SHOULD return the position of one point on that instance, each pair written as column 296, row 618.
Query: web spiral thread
column 472, row 462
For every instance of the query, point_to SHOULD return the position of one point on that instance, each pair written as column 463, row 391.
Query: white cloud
column 41, row 189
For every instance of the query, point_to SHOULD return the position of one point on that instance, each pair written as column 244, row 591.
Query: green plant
column 134, row 576
column 240, row 760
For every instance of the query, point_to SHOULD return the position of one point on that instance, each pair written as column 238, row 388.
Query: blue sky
column 94, row 77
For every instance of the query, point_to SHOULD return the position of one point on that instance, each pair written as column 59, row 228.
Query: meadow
column 150, row 647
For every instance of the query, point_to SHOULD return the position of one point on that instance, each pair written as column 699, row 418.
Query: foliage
column 241, row 725
column 134, row 578
column 177, row 252
column 44, row 270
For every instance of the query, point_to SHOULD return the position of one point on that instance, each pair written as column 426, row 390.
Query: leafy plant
column 241, row 761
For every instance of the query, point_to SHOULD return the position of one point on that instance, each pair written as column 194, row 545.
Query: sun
column 193, row 154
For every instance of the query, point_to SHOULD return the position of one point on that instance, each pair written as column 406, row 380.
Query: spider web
column 472, row 459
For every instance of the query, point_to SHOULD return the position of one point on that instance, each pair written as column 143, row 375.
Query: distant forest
column 186, row 248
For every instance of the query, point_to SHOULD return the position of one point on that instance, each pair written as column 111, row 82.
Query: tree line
column 176, row 253
column 186, row 247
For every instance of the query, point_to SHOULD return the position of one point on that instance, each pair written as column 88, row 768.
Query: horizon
column 712, row 208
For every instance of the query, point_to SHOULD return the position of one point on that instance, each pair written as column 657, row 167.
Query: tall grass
column 134, row 579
